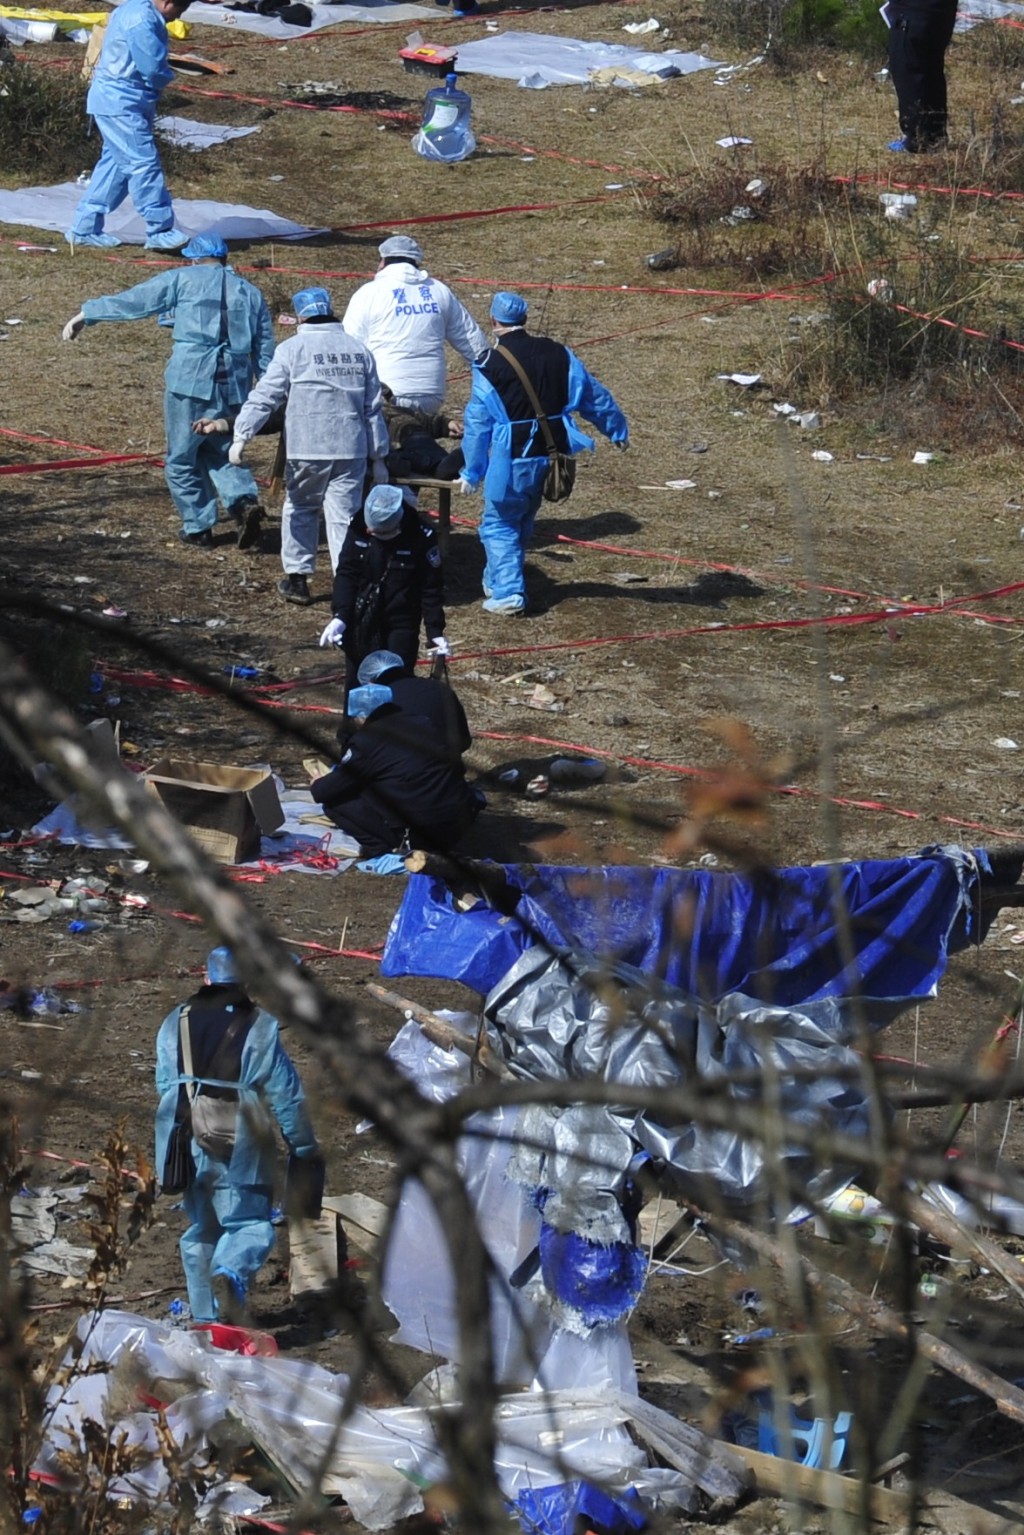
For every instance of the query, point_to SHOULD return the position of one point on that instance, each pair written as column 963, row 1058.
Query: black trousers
column 917, row 52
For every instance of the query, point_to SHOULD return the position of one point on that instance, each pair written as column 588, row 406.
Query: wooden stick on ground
column 440, row 1032
column 1007, row 1398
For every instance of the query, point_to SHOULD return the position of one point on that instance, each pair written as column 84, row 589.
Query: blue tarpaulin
column 880, row 930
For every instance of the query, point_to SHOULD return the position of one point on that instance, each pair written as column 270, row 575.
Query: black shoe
column 295, row 589
column 202, row 540
column 247, row 514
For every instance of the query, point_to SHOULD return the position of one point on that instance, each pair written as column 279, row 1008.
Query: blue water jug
column 446, row 132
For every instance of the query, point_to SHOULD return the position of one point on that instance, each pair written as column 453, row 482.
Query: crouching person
column 398, row 782
column 220, row 1067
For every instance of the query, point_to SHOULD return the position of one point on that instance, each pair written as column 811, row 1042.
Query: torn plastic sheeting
column 54, row 208
column 554, row 1510
column 417, row 1283
column 599, row 1282
column 536, row 59
column 776, row 937
column 374, row 1458
column 552, row 1020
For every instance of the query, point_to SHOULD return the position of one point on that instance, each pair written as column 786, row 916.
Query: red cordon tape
column 899, row 603
column 412, row 119
column 47, row 442
column 792, row 790
column 60, row 465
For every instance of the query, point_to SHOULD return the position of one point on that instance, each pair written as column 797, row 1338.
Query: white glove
column 334, row 633
column 465, row 488
column 73, row 327
column 207, row 424
column 440, row 646
column 379, row 471
column 236, row 451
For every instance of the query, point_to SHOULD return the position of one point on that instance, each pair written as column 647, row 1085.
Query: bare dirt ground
column 892, row 723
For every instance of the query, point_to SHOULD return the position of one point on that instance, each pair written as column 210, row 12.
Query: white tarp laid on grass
column 54, row 207
column 323, row 16
column 187, row 134
column 535, row 60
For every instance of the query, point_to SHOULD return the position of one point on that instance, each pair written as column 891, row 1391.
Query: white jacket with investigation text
column 329, row 386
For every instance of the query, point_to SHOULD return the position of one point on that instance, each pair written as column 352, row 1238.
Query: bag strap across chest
column 532, row 396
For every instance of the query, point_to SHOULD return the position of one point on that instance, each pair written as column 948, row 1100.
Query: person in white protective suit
column 334, row 428
column 234, row 1051
column 130, row 74
column 405, row 316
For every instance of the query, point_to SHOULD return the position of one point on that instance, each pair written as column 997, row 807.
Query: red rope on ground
column 47, row 442
column 108, row 461
column 791, row 790
column 412, row 120
column 899, row 604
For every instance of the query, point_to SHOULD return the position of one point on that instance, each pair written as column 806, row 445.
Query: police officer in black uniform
column 420, row 695
column 388, row 582
column 397, row 781
column 919, row 34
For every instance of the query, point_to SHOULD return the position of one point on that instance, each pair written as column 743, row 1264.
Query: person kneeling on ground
column 387, row 583
column 397, row 780
column 219, row 1036
column 438, row 701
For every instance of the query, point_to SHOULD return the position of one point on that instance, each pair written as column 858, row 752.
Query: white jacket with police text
column 405, row 316
column 329, row 386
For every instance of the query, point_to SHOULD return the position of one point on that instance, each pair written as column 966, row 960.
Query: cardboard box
column 225, row 809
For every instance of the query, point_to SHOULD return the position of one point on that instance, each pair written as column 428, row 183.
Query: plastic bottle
column 446, row 132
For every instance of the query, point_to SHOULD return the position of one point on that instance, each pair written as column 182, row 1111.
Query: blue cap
column 508, row 309
column 383, row 510
column 221, row 969
column 309, row 302
column 201, row 246
column 363, row 701
column 377, row 664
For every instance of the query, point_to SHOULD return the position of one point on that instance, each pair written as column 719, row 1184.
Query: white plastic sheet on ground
column 187, row 134
column 323, row 16
column 376, row 1458
column 54, row 208
column 289, row 847
column 535, row 60
column 417, row 1282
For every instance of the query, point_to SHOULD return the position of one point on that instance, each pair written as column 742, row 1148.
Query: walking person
column 129, row 77
column 387, row 584
column 405, row 317
column 223, row 341
column 506, row 447
column 220, row 1067
column 920, row 31
column 334, row 428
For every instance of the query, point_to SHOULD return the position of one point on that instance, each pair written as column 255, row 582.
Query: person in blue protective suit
column 504, row 445
column 334, row 431
column 234, row 1048
column 223, row 341
column 130, row 74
